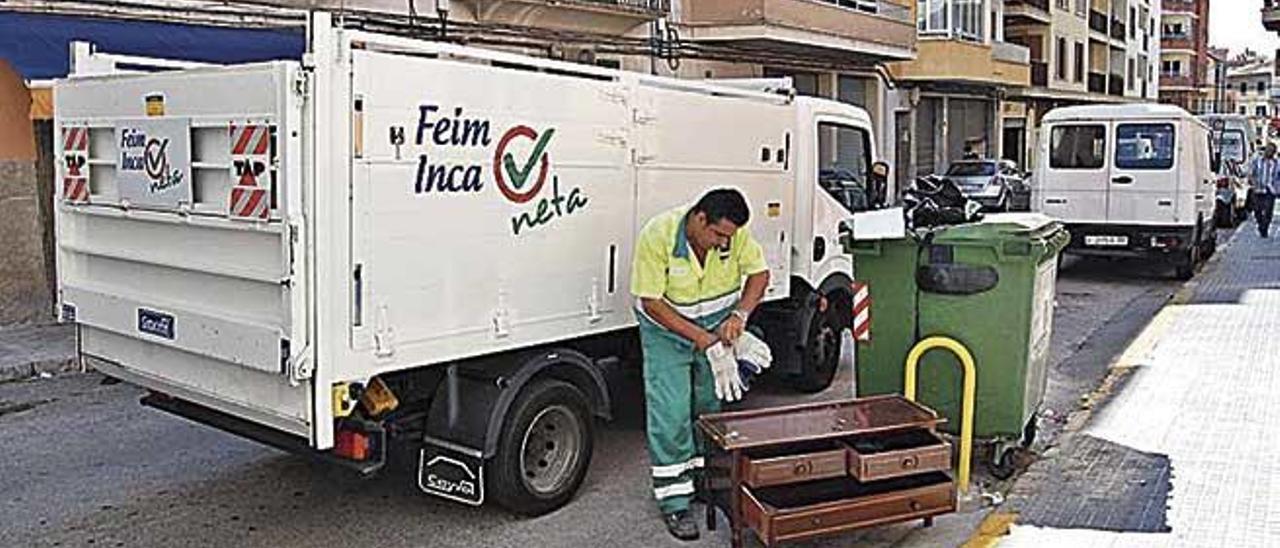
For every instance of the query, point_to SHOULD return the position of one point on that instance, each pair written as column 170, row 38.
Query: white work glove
column 724, row 367
column 751, row 349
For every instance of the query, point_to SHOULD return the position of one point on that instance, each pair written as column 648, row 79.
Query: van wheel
column 821, row 355
column 1185, row 268
column 544, row 449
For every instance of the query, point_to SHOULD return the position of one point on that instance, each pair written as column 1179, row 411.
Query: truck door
column 1146, row 175
column 180, row 244
column 1074, row 185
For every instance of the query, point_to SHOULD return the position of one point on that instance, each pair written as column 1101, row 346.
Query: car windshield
column 970, row 169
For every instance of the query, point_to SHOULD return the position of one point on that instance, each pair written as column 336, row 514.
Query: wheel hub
column 549, row 450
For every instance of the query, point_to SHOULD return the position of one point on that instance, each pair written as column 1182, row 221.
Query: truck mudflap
column 451, row 471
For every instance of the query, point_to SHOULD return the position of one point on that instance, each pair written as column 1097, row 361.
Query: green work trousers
column 678, row 387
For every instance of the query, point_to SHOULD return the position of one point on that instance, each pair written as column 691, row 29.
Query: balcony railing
column 1010, row 52
column 1118, row 29
column 1040, row 74
column 1115, row 85
column 1097, row 21
column 1043, row 5
column 1097, row 82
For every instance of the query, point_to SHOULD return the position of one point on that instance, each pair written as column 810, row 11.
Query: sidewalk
column 1185, row 453
column 26, row 351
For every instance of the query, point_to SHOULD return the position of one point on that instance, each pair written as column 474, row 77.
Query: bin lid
column 998, row 227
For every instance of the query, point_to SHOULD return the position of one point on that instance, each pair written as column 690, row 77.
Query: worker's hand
column 724, row 368
column 732, row 328
column 705, row 340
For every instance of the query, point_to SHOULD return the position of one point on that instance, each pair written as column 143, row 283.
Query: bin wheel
column 544, row 449
column 1004, row 459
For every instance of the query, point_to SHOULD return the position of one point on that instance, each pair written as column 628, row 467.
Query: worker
column 693, row 306
column 1264, row 175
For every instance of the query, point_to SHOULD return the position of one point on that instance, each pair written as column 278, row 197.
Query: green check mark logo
column 518, row 176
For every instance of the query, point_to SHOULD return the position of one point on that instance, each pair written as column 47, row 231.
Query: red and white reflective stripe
column 249, row 202
column 75, row 139
column 254, row 140
column 861, row 312
column 75, row 155
column 250, row 163
column 75, row 189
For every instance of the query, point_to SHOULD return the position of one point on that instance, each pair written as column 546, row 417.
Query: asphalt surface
column 85, row 465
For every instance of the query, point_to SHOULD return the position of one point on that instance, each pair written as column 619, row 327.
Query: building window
column 1079, row 62
column 1133, row 22
column 1262, row 88
column 1132, row 72
column 1064, row 4
column 962, row 19
column 1262, row 111
column 1082, row 8
column 1244, row 111
column 1244, row 88
column 1062, row 58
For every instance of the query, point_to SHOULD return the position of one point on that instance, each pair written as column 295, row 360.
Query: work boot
column 681, row 525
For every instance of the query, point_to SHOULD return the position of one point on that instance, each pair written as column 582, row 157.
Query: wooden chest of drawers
column 797, row 472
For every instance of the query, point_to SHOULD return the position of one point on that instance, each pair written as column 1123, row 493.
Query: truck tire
column 821, row 355
column 544, row 449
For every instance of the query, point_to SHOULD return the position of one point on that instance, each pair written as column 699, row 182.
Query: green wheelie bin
column 989, row 285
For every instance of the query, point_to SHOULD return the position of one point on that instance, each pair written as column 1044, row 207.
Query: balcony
column 1177, row 41
column 602, row 16
column 1271, row 15
column 1176, row 81
column 1040, row 74
column 1027, row 12
column 1115, row 85
column 1097, row 82
column 873, row 30
column 1179, row 6
column 953, row 60
column 1118, row 30
column 1098, row 21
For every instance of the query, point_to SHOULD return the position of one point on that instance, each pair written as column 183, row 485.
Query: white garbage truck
column 393, row 243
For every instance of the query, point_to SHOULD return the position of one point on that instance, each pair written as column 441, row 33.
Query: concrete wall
column 24, row 285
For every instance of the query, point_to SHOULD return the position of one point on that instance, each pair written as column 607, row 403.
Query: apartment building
column 1251, row 88
column 954, row 92
column 1082, row 52
column 1184, row 56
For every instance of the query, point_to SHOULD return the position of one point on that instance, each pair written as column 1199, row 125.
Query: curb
column 20, row 371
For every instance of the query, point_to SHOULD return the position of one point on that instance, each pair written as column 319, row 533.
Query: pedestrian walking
column 692, row 304
column 1264, row 176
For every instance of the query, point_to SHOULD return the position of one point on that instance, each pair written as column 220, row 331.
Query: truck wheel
column 821, row 355
column 544, row 449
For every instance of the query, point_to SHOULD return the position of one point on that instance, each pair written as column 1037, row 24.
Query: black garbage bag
column 937, row 201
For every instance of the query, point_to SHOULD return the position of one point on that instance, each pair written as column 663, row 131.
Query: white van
column 1130, row 181
column 1233, row 145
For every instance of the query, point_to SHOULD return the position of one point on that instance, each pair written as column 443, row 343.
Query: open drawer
column 902, row 454
column 786, row 513
column 794, row 463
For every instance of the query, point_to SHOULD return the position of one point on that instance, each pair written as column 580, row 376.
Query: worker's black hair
column 724, row 203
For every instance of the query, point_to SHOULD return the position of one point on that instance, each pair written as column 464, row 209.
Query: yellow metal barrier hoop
column 970, row 386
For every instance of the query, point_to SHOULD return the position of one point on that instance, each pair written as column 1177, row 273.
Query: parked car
column 996, row 184
column 1233, row 148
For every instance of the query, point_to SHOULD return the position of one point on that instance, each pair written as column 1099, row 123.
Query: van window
column 1077, row 147
column 844, row 158
column 1144, row 146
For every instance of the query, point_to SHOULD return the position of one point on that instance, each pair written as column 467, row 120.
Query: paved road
column 84, row 464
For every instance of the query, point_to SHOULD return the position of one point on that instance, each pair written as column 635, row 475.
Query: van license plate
column 1106, row 241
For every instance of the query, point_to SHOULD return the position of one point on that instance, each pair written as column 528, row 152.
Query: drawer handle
column 914, row 505
column 911, row 462
column 802, row 468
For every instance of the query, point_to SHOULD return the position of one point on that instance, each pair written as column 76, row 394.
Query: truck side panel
column 493, row 209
